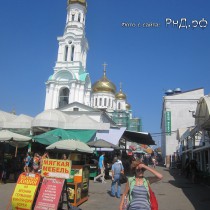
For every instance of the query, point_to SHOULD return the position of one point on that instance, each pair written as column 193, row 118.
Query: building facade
column 194, row 143
column 176, row 114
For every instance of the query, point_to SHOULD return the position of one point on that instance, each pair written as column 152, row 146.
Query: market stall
column 77, row 185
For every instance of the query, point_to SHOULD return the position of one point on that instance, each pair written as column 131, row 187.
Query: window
column 105, row 102
column 75, row 109
column 119, row 105
column 96, row 101
column 63, row 97
column 72, row 17
column 109, row 102
column 72, row 52
column 79, row 17
column 66, row 53
column 100, row 101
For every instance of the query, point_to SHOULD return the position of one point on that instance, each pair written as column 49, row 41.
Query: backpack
column 153, row 199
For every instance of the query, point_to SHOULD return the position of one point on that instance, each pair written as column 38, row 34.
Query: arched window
column 119, row 106
column 109, row 102
column 100, row 101
column 79, row 17
column 105, row 102
column 63, row 97
column 96, row 101
column 66, row 53
column 72, row 17
column 72, row 52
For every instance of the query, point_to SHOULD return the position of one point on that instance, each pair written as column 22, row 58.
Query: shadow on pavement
column 197, row 194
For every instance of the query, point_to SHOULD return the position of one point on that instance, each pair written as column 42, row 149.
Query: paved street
column 174, row 192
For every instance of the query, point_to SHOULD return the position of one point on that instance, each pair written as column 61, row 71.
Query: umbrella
column 7, row 136
column 102, row 144
column 70, row 145
column 16, row 140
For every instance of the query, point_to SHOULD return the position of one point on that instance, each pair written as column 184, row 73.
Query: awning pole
column 16, row 148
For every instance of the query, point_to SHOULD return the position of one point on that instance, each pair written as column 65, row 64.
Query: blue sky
column 147, row 60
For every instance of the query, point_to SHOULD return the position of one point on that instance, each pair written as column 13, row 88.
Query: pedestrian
column 154, row 161
column 137, row 187
column 101, row 167
column 27, row 162
column 187, row 167
column 193, row 170
column 44, row 156
column 64, row 157
column 36, row 163
column 117, row 168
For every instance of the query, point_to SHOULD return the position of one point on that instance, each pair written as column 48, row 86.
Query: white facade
column 176, row 113
column 70, row 81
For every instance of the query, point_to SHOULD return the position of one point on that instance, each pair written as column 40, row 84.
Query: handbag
column 123, row 179
column 153, row 199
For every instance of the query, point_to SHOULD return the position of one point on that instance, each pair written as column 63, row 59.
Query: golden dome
column 83, row 2
column 127, row 106
column 104, row 85
column 120, row 95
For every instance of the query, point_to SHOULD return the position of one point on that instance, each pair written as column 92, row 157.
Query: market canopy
column 56, row 135
column 14, row 139
column 102, row 144
column 138, row 137
column 8, row 136
column 70, row 145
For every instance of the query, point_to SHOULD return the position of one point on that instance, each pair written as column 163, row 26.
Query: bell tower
column 70, row 82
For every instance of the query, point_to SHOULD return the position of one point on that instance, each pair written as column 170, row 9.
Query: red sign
column 49, row 194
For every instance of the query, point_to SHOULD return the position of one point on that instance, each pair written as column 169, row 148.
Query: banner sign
column 168, row 123
column 49, row 194
column 25, row 190
column 56, row 168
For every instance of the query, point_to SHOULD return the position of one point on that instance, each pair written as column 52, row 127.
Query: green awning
column 53, row 136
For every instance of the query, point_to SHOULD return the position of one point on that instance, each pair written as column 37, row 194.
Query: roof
column 56, row 119
column 138, row 137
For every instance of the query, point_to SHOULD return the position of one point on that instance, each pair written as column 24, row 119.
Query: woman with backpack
column 137, row 187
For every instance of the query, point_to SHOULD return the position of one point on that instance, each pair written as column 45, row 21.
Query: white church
column 72, row 102
column 70, row 81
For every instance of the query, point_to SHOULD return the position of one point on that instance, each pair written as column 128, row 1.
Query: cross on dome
column 104, row 68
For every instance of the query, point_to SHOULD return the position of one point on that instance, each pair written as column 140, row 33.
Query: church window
column 100, row 101
column 79, row 17
column 96, row 101
column 105, row 102
column 119, row 106
column 72, row 52
column 66, row 53
column 72, row 17
column 63, row 97
column 109, row 102
column 75, row 109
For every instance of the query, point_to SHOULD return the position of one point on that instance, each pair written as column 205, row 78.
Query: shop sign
column 49, row 194
column 56, row 168
column 25, row 190
column 168, row 123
